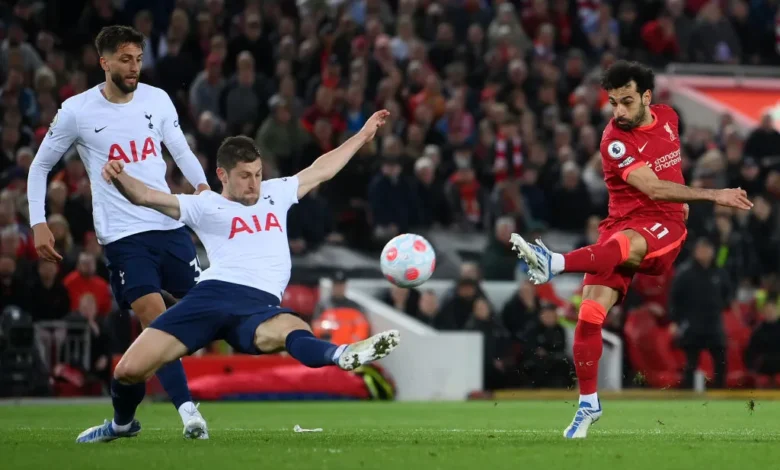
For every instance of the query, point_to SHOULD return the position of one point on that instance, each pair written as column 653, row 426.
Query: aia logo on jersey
column 239, row 225
column 116, row 152
column 668, row 129
column 616, row 149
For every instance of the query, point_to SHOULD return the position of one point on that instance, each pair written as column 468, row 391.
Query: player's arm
column 138, row 193
column 62, row 132
column 180, row 150
column 326, row 167
column 645, row 180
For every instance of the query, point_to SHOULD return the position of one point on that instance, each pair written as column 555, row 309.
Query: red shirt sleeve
column 620, row 155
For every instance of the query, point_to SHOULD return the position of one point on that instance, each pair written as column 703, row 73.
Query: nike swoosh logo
column 643, row 147
column 98, row 130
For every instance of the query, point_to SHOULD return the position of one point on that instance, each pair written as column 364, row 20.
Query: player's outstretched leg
column 171, row 376
column 588, row 346
column 544, row 264
column 148, row 352
column 294, row 335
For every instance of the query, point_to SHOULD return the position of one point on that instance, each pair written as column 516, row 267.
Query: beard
column 629, row 124
column 119, row 81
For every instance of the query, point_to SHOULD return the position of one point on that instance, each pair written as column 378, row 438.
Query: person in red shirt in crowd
column 84, row 281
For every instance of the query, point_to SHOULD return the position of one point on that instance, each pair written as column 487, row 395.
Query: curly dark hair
column 111, row 38
column 622, row 72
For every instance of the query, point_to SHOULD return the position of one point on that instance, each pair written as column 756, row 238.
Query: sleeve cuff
column 631, row 168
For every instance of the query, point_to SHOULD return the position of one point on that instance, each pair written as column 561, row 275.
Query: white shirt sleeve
column 174, row 139
column 62, row 132
column 191, row 208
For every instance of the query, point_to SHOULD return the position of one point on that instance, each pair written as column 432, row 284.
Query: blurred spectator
column 47, row 297
column 207, row 87
column 546, row 363
column 520, row 311
column 393, row 201
column 570, row 199
column 434, row 209
column 338, row 295
column 700, row 293
column 310, row 224
column 458, row 308
column 83, row 281
column 243, row 101
column 499, row 262
column 713, row 38
column 100, row 349
column 762, row 355
column 495, row 346
column 764, row 141
column 403, row 300
column 11, row 284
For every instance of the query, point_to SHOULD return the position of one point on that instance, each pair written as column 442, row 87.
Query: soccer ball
column 408, row 260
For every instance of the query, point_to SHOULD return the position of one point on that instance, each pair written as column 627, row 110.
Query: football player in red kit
column 645, row 228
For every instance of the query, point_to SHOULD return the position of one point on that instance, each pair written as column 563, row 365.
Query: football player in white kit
column 238, row 297
column 124, row 121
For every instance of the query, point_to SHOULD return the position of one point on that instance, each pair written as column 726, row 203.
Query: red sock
column 594, row 259
column 588, row 345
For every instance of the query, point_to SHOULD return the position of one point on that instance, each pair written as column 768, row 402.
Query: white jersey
column 246, row 245
column 132, row 133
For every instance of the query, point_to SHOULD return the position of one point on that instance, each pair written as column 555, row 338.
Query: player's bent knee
column 637, row 248
column 148, row 307
column 131, row 371
column 271, row 335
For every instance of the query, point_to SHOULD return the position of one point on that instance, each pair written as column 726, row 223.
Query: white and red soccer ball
column 408, row 260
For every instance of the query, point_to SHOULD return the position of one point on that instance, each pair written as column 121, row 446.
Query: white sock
column 121, row 427
column 557, row 263
column 591, row 398
column 187, row 410
column 339, row 351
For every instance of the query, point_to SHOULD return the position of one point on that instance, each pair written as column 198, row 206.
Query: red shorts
column 664, row 242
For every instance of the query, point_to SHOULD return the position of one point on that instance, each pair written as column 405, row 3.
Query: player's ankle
column 591, row 398
column 557, row 263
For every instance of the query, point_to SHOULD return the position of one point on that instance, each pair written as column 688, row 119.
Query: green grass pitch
column 632, row 435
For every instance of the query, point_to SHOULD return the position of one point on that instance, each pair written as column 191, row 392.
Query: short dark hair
column 622, row 72
column 111, row 38
column 235, row 150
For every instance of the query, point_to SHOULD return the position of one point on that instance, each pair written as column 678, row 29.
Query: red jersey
column 657, row 146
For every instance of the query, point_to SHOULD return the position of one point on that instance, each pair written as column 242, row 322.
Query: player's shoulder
column 78, row 102
column 615, row 141
column 664, row 112
column 274, row 183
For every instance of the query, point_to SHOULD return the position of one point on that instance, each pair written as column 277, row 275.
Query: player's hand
column 202, row 187
column 733, row 198
column 112, row 169
column 44, row 243
column 686, row 210
column 373, row 124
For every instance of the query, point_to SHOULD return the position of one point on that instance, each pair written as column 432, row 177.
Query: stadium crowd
column 496, row 120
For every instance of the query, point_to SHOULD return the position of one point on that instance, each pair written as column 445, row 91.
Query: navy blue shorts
column 149, row 262
column 215, row 310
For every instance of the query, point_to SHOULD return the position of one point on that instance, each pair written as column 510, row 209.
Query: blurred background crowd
column 496, row 121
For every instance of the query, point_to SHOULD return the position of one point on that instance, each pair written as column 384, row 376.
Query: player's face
column 629, row 108
column 123, row 67
column 242, row 183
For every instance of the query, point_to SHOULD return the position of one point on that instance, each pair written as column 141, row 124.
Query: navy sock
column 126, row 399
column 174, row 382
column 310, row 351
